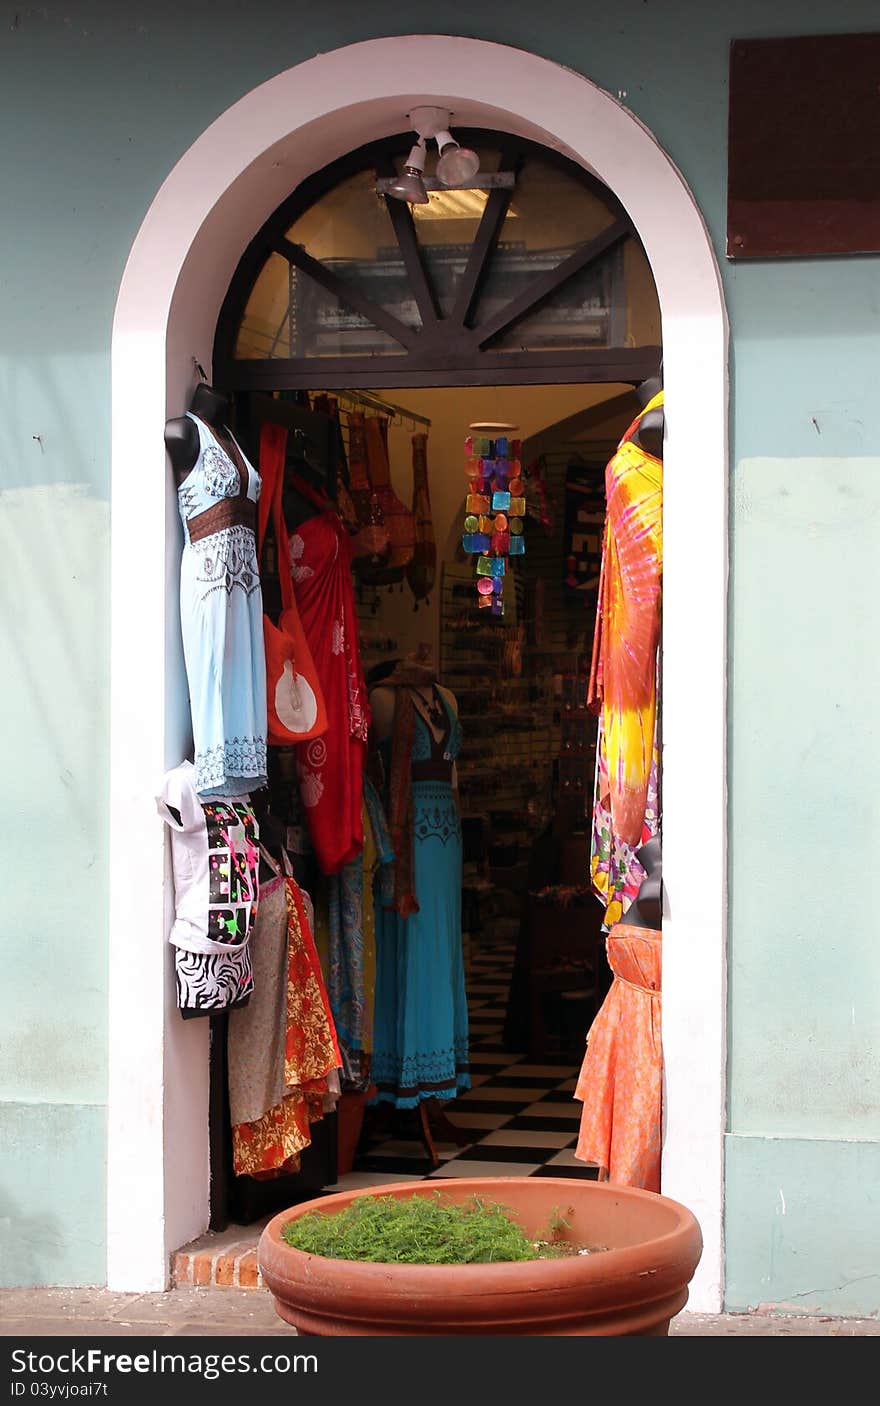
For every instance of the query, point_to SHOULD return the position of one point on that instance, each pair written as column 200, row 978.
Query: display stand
column 427, row 1136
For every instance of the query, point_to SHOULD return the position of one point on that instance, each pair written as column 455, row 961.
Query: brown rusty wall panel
column 804, row 146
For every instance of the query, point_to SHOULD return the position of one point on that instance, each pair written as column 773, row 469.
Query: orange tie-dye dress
column 623, row 676
column 620, row 1083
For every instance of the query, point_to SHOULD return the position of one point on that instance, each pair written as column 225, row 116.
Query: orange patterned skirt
column 620, row 1083
column 273, row 1143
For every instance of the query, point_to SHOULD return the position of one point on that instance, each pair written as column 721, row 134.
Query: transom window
column 539, row 282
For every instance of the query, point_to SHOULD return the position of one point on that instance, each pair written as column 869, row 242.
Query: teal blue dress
column 420, row 1031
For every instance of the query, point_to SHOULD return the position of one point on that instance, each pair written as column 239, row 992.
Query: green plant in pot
column 495, row 1255
column 427, row 1229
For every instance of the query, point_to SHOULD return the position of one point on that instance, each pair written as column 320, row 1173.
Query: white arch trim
column 179, row 268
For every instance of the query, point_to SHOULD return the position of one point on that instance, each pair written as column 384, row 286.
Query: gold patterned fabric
column 311, row 1055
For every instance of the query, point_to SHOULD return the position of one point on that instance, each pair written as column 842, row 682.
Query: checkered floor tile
column 522, row 1117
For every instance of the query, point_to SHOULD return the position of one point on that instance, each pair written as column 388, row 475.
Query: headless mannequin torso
column 649, row 435
column 182, row 436
column 382, row 707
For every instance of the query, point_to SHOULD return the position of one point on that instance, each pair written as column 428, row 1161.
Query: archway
column 174, row 283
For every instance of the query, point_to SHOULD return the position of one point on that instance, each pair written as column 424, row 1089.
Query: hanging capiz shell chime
column 494, row 511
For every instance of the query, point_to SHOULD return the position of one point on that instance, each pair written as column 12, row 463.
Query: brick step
column 225, row 1259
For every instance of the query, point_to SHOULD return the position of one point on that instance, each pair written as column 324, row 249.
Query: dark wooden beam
column 408, row 243
column 630, row 365
column 547, row 284
column 346, row 292
column 484, row 245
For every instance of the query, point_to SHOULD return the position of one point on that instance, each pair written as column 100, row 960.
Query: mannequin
column 221, row 608
column 383, row 700
column 649, row 435
column 420, row 1028
column 647, row 909
column 182, row 436
column 382, row 705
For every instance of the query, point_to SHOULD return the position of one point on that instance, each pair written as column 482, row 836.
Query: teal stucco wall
column 101, row 100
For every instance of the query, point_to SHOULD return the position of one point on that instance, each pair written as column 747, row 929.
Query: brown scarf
column 400, row 802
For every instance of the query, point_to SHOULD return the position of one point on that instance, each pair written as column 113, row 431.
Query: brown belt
column 232, row 512
column 432, row 771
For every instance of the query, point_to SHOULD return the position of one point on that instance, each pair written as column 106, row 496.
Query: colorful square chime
column 495, row 508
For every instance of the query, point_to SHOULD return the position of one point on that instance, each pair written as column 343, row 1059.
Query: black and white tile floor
column 523, row 1117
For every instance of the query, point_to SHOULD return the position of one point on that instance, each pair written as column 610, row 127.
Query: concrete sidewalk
column 212, row 1312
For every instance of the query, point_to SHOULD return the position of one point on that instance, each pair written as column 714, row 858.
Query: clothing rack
column 398, row 413
column 351, row 402
column 365, row 400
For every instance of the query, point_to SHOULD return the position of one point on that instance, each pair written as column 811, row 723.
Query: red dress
column 331, row 767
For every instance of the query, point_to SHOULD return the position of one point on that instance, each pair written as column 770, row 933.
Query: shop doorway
column 526, row 298
column 176, row 279
column 534, row 962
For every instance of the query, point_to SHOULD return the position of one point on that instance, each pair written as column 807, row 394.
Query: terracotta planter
column 631, row 1289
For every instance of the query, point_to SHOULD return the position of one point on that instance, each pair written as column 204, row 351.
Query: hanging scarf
column 623, row 674
column 405, row 677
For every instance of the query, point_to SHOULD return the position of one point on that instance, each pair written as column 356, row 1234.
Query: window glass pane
column 577, row 315
column 289, row 314
column 265, row 327
column 552, row 214
column 349, row 229
column 446, row 228
column 553, row 211
column 322, row 325
column 642, row 305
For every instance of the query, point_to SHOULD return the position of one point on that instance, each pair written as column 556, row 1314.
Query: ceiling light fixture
column 410, row 186
column 457, row 164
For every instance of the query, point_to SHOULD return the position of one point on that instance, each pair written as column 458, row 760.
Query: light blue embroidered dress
column 221, row 616
column 420, row 1029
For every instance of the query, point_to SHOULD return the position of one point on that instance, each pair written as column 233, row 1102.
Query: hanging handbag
column 421, row 571
column 294, row 700
column 371, row 544
column 398, row 518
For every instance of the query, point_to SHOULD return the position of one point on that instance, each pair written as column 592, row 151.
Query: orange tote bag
column 294, row 700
